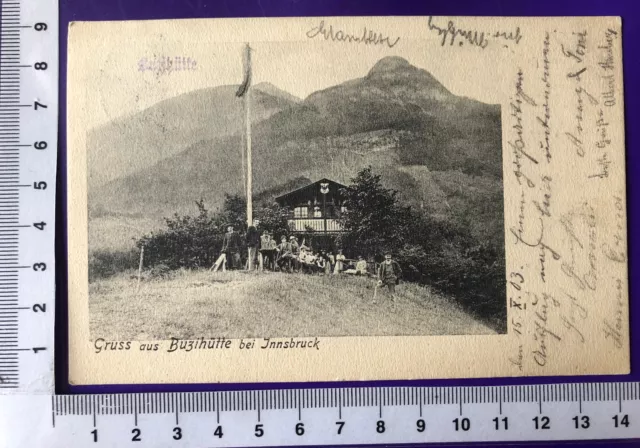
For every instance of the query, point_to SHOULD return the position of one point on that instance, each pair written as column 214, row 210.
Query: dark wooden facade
column 317, row 206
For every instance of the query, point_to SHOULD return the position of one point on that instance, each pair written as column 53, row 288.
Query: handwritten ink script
column 451, row 35
column 559, row 133
column 613, row 328
column 367, row 37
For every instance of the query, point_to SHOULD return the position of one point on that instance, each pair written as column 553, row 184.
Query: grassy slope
column 240, row 304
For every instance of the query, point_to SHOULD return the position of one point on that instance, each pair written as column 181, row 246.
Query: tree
column 374, row 220
column 234, row 212
column 273, row 218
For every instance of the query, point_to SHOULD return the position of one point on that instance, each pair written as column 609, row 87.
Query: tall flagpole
column 244, row 91
column 247, row 120
column 243, row 148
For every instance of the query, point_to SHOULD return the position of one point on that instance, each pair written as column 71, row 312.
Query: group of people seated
column 288, row 256
column 292, row 256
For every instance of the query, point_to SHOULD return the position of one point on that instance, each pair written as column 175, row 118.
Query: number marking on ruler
column 28, row 142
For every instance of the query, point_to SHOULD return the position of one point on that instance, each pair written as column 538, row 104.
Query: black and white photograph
column 294, row 206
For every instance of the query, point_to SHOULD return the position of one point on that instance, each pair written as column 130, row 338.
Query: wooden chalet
column 317, row 206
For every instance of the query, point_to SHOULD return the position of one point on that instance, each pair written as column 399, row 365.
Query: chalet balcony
column 317, row 224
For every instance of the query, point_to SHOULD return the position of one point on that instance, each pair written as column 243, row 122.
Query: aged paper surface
column 433, row 198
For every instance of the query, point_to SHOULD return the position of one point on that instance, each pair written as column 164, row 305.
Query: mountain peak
column 391, row 64
column 274, row 90
column 392, row 70
column 265, row 86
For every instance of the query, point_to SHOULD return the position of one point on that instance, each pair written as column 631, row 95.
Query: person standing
column 339, row 262
column 271, row 251
column 389, row 274
column 267, row 251
column 231, row 247
column 264, row 241
column 253, row 243
column 320, row 263
column 295, row 252
column 327, row 262
column 284, row 253
column 332, row 261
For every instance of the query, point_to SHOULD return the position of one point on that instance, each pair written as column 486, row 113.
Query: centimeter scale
column 328, row 416
column 28, row 142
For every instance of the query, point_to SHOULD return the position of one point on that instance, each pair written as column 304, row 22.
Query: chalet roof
column 309, row 190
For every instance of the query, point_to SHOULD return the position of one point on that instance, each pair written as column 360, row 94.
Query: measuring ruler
column 28, row 142
column 328, row 416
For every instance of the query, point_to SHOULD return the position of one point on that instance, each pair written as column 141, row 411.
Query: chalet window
column 301, row 212
column 316, row 212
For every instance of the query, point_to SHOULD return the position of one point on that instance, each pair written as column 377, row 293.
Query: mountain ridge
column 172, row 125
column 423, row 140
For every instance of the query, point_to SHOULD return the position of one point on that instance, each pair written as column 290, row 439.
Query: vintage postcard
column 313, row 199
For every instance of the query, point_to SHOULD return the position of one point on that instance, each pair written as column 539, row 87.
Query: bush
column 105, row 263
column 188, row 241
column 473, row 276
